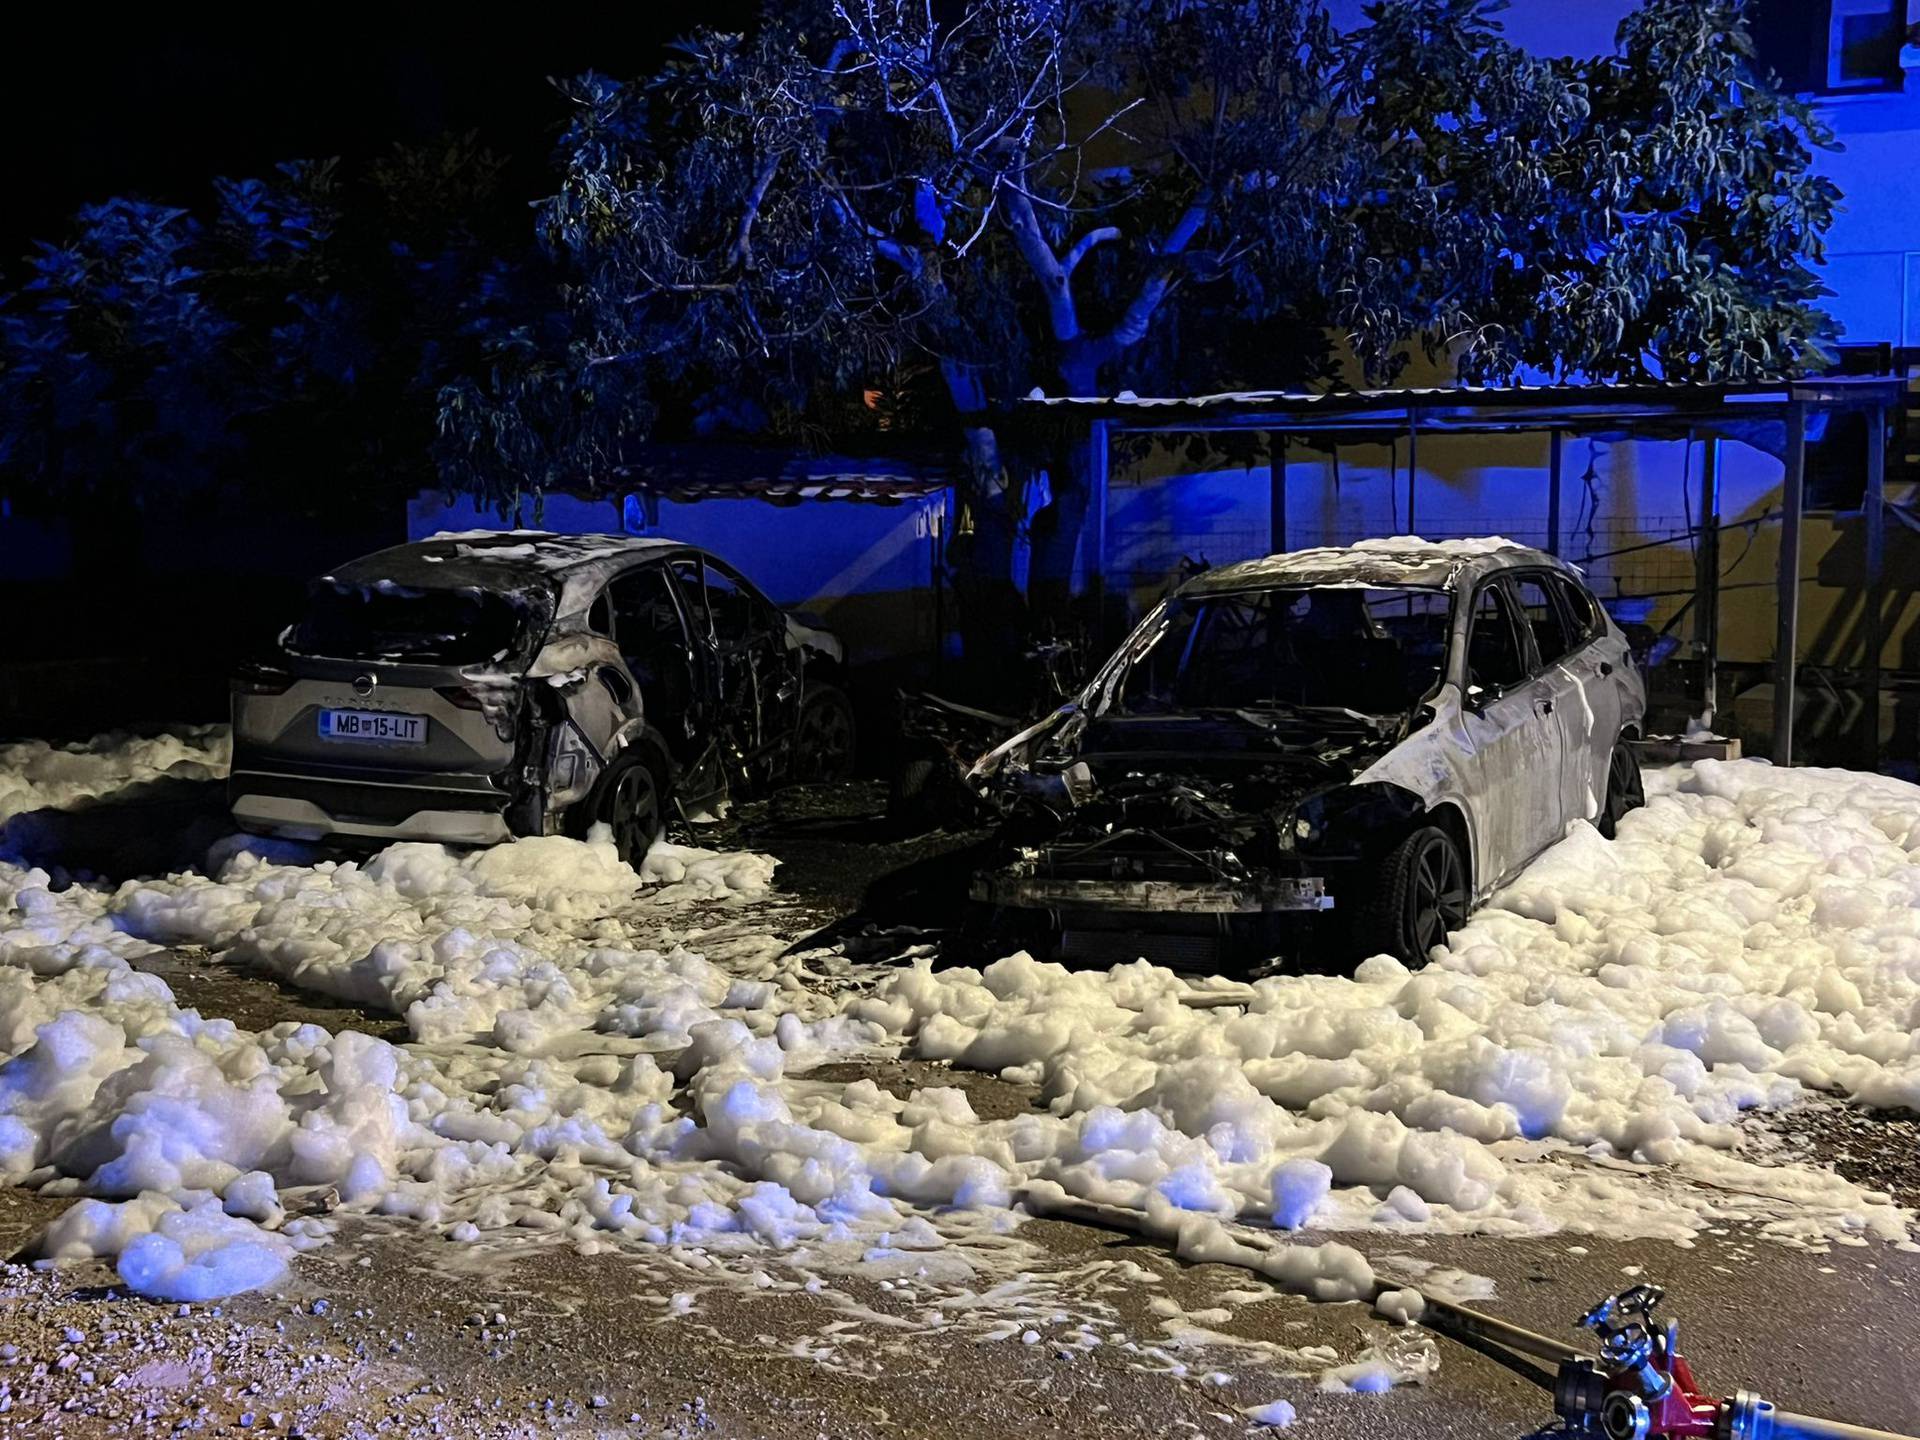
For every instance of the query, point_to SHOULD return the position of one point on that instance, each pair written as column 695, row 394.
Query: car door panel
column 670, row 669
column 1513, row 753
column 759, row 672
column 1513, row 747
column 1595, row 720
column 1570, row 708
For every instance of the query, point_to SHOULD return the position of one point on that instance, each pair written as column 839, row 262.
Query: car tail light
column 258, row 680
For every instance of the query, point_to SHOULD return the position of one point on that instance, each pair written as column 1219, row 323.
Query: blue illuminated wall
column 864, row 568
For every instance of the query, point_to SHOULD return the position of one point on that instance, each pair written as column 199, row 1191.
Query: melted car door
column 750, row 687
column 752, row 639
column 653, row 638
column 1515, row 748
column 1566, row 695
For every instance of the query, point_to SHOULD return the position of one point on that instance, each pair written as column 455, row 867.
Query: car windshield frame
column 1104, row 696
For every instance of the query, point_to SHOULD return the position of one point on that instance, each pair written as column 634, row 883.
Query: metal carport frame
column 1650, row 411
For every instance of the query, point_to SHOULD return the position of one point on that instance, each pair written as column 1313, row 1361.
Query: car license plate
column 374, row 726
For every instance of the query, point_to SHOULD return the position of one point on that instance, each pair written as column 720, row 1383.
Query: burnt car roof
column 1401, row 560
column 570, row 567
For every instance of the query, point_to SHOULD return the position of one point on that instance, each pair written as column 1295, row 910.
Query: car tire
column 630, row 802
column 823, row 739
column 1625, row 790
column 1421, row 896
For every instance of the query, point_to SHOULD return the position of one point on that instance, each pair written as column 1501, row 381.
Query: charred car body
column 1386, row 732
column 471, row 688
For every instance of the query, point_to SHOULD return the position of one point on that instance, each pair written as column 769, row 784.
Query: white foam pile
column 35, row 775
column 206, row 1134
column 1576, row 1060
column 523, row 946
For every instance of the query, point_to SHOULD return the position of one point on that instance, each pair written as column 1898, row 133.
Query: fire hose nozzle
column 1746, row 1417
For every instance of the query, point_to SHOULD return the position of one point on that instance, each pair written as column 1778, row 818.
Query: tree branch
column 1085, row 243
column 1131, row 328
column 741, row 253
column 1032, row 244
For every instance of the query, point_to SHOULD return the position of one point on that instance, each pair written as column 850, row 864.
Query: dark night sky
column 160, row 113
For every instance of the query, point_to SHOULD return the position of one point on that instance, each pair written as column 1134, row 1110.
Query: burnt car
column 474, row 687
column 1378, row 735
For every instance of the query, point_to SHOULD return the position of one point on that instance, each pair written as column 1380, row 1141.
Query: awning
column 695, row 471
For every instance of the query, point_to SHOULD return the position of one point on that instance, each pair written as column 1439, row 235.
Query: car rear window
column 391, row 622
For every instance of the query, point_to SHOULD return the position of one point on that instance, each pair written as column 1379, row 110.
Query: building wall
column 864, row 569
column 1639, row 497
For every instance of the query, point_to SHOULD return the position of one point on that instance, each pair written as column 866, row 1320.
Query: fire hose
column 1638, row 1387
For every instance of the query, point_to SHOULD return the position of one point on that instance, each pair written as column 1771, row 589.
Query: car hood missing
column 1200, row 781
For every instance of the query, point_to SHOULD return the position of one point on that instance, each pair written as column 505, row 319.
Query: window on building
column 1831, row 46
column 1863, row 44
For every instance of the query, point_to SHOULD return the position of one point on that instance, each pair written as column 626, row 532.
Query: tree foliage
column 287, row 342
column 1085, row 195
column 1649, row 214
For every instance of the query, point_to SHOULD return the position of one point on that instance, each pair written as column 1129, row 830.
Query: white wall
column 1874, row 247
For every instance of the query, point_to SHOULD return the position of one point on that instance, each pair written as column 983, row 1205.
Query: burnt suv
column 1386, row 731
column 474, row 687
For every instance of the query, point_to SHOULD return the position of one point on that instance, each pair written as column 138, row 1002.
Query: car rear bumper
column 448, row 809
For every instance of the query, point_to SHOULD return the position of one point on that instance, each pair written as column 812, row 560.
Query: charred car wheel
column 628, row 802
column 823, row 741
column 1421, row 895
column 1624, row 788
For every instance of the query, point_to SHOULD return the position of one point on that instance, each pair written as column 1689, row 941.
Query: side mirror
column 1480, row 696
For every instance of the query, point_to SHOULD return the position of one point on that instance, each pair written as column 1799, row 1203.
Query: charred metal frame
column 1645, row 411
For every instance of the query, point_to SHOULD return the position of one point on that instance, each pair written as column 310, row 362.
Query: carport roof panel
column 1465, row 407
column 712, row 470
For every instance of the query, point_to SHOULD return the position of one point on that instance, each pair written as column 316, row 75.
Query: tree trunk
column 1059, row 531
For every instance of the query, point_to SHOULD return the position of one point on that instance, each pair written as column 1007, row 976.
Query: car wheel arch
column 1406, row 811
column 638, row 738
column 1453, row 818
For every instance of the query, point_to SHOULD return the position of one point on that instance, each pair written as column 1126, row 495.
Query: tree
column 857, row 193
column 861, row 213
column 116, row 373
column 1651, row 214
column 285, row 345
column 1081, row 195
